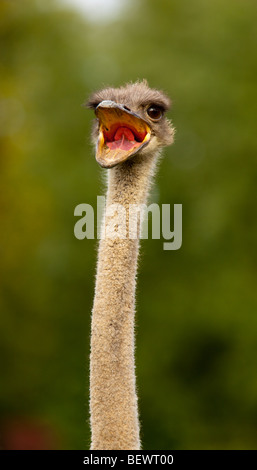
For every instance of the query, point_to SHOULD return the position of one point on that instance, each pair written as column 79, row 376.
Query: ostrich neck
column 113, row 398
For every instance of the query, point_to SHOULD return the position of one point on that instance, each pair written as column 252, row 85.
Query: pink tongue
column 124, row 131
column 123, row 139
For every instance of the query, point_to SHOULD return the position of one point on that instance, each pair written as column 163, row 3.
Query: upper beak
column 122, row 133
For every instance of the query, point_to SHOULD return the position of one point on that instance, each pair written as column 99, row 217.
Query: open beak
column 122, row 134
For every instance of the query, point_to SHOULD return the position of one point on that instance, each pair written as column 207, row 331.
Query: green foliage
column 196, row 308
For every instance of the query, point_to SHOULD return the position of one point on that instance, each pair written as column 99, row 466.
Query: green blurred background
column 196, row 307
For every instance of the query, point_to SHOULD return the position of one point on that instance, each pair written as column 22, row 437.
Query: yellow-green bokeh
column 196, row 318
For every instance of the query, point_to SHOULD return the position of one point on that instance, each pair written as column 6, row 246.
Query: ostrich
column 129, row 132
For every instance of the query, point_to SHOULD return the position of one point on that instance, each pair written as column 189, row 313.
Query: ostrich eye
column 155, row 112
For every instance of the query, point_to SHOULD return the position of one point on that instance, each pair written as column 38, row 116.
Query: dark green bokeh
column 196, row 307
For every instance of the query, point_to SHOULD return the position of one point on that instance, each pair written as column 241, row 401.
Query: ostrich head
column 130, row 120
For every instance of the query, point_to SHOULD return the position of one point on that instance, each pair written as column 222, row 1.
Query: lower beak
column 122, row 134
